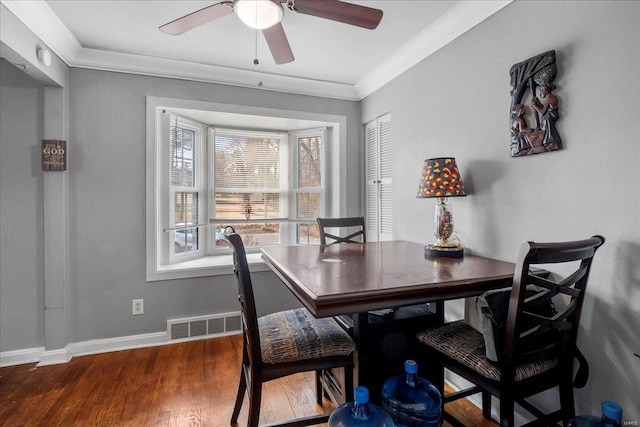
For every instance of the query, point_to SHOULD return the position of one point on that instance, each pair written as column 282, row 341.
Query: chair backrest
column 358, row 221
column 245, row 295
column 524, row 329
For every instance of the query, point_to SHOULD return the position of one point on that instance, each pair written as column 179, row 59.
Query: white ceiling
column 331, row 59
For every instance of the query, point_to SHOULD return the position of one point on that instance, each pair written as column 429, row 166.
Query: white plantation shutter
column 371, row 144
column 386, row 173
column 379, row 189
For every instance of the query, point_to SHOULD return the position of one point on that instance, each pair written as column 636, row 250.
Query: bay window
column 270, row 185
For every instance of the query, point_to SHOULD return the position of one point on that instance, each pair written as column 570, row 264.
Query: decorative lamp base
column 432, row 251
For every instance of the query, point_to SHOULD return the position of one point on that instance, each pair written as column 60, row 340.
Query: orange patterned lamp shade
column 440, row 178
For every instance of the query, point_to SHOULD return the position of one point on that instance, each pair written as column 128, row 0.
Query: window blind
column 167, row 122
column 250, row 175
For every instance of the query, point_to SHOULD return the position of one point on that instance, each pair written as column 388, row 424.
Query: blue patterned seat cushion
column 293, row 335
column 461, row 342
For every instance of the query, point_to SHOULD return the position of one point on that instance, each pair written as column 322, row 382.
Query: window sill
column 202, row 267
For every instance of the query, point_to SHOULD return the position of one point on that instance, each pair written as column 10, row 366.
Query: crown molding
column 163, row 67
column 38, row 17
column 45, row 24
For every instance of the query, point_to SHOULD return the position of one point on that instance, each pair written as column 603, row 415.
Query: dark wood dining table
column 355, row 278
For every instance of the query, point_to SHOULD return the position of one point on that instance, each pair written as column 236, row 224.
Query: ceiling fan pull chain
column 255, row 61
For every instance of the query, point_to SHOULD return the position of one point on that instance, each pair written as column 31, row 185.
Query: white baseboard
column 106, row 345
column 19, row 357
column 55, row 357
column 63, row 355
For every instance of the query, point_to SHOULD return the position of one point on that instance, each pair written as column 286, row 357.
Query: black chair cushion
column 293, row 335
column 461, row 342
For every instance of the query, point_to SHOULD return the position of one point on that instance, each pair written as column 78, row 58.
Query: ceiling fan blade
column 335, row 10
column 278, row 44
column 197, row 18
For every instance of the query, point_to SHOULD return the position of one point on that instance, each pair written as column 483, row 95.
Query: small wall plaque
column 534, row 107
column 54, row 155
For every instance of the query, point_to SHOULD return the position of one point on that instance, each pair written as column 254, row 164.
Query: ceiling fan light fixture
column 259, row 14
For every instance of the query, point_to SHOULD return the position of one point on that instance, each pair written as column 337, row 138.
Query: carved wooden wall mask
column 534, row 108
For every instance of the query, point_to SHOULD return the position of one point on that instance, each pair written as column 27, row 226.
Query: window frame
column 294, row 137
column 208, row 265
column 283, row 138
column 199, row 188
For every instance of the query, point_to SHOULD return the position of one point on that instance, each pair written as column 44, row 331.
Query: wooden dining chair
column 355, row 223
column 282, row 344
column 538, row 350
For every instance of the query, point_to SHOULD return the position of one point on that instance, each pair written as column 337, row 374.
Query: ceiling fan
column 266, row 15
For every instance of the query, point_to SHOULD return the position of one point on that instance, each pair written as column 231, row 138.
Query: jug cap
column 361, row 394
column 410, row 367
column 612, row 411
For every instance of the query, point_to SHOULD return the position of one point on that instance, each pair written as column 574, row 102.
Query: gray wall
column 21, row 216
column 107, row 199
column 456, row 103
column 106, row 167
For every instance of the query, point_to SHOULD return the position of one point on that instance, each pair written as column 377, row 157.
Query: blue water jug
column 360, row 412
column 611, row 417
column 411, row 400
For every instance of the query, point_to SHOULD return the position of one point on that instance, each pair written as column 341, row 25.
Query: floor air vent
column 212, row 325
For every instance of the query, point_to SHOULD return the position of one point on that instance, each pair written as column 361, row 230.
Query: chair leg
column 318, row 388
column 242, row 387
column 506, row 411
column 567, row 405
column 486, row 404
column 255, row 397
column 348, row 382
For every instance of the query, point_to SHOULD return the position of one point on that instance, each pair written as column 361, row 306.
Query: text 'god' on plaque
column 54, row 155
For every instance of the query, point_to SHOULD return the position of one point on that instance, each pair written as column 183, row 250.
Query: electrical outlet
column 137, row 306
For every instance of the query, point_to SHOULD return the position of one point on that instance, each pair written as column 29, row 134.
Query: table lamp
column 441, row 178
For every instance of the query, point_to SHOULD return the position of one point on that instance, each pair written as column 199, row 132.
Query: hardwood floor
column 187, row 384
